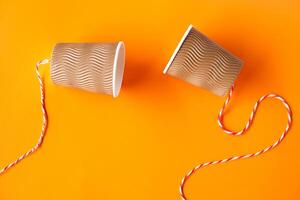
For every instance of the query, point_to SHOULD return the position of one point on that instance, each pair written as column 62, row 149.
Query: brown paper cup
column 95, row 67
column 203, row 63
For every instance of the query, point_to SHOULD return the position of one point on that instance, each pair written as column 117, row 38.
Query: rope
column 248, row 125
column 44, row 125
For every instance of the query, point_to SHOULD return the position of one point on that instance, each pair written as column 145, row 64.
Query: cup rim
column 178, row 48
column 119, row 62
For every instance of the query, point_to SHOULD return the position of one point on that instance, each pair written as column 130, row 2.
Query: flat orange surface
column 139, row 145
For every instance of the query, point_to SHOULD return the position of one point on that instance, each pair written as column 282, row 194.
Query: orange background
column 139, row 145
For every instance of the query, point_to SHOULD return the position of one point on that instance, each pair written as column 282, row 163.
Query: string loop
column 230, row 132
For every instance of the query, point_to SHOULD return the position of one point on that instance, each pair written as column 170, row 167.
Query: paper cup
column 203, row 63
column 95, row 67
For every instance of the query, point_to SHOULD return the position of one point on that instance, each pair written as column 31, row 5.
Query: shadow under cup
column 95, row 67
column 203, row 63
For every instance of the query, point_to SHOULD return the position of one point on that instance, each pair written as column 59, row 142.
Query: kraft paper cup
column 95, row 67
column 203, row 63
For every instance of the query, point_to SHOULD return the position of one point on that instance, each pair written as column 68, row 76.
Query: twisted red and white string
column 44, row 124
column 220, row 122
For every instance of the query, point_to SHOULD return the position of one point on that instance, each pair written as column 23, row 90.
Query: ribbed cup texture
column 203, row 63
column 88, row 66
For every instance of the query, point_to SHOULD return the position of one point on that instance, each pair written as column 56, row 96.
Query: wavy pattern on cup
column 203, row 63
column 95, row 67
